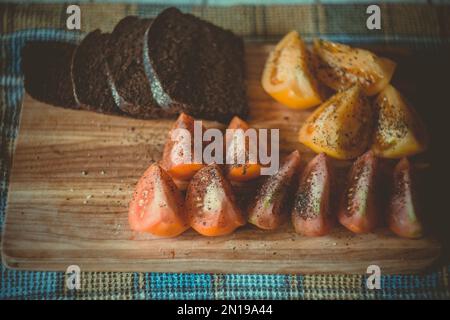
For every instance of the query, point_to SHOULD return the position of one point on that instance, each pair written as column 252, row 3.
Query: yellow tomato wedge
column 287, row 77
column 341, row 127
column 399, row 132
column 340, row 66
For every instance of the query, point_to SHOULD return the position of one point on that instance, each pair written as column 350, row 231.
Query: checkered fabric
column 411, row 25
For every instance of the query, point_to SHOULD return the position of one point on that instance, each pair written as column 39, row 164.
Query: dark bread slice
column 195, row 67
column 125, row 61
column 169, row 57
column 90, row 74
column 223, row 76
column 47, row 70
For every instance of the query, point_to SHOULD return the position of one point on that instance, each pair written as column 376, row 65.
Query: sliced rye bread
column 146, row 69
column 195, row 67
column 93, row 86
column 47, row 70
column 169, row 57
column 223, row 80
column 125, row 61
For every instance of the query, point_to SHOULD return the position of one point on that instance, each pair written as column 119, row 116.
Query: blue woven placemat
column 108, row 285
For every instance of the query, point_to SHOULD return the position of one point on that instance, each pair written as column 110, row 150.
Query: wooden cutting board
column 73, row 175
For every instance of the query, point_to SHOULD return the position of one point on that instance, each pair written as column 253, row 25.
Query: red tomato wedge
column 311, row 214
column 157, row 205
column 177, row 148
column 403, row 210
column 267, row 210
column 358, row 209
column 241, row 172
column 210, row 203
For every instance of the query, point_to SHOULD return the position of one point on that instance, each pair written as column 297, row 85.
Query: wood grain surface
column 73, row 175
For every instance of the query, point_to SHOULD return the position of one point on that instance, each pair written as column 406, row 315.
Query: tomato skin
column 157, row 205
column 311, row 214
column 358, row 210
column 244, row 172
column 241, row 172
column 266, row 210
column 210, row 203
column 173, row 157
column 184, row 172
column 403, row 210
